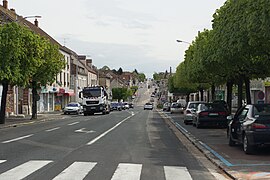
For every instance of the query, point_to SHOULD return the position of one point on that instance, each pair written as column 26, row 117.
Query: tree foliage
column 234, row 51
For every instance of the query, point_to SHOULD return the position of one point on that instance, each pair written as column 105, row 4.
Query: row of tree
column 123, row 93
column 26, row 60
column 234, row 51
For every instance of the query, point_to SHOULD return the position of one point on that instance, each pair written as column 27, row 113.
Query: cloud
column 128, row 57
column 105, row 13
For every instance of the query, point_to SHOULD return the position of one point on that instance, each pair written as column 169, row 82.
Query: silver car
column 73, row 107
column 190, row 110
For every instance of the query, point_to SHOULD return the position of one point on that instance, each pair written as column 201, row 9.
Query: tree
column 52, row 62
column 120, row 71
column 17, row 61
column 141, row 77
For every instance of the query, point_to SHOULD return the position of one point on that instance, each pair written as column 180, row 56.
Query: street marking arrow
column 82, row 130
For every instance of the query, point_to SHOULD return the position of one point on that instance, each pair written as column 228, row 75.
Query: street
column 130, row 144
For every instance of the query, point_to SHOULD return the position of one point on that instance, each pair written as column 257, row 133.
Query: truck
column 94, row 100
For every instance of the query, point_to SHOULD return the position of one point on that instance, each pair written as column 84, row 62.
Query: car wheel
column 65, row 113
column 231, row 141
column 248, row 149
column 197, row 125
column 85, row 114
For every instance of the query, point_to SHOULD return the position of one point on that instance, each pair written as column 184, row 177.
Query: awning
column 69, row 94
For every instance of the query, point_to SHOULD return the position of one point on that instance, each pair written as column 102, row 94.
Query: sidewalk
column 20, row 120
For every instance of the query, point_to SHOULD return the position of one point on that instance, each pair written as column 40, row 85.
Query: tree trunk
column 34, row 99
column 240, row 92
column 3, row 102
column 247, row 85
column 187, row 97
column 229, row 95
column 201, row 94
column 213, row 92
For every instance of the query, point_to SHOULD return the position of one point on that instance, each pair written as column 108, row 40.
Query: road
column 131, row 144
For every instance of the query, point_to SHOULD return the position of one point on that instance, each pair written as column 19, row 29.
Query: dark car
column 250, row 126
column 210, row 114
column 116, row 106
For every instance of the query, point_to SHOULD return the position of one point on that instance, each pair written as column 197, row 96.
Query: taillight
column 203, row 114
column 222, row 113
column 258, row 126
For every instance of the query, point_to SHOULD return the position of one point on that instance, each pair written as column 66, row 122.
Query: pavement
column 250, row 172
column 26, row 119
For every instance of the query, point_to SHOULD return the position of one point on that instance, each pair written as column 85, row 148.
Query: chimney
column 36, row 22
column 89, row 62
column 13, row 10
column 5, row 4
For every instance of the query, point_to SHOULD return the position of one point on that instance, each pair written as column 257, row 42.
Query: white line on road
column 73, row 123
column 82, row 130
column 53, row 129
column 103, row 134
column 127, row 171
column 2, row 161
column 77, row 170
column 174, row 172
column 23, row 170
column 17, row 139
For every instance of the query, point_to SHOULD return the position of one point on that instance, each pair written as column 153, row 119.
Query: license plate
column 213, row 114
column 93, row 107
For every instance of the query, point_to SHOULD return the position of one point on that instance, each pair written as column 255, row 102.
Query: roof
column 11, row 16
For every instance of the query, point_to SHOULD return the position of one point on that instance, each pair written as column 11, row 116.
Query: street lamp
column 16, row 87
column 180, row 41
column 26, row 17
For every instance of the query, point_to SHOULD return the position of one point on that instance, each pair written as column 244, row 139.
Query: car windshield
column 92, row 92
column 193, row 105
column 262, row 109
column 72, row 105
column 212, row 107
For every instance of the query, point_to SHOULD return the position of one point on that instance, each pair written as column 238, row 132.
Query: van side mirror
column 80, row 94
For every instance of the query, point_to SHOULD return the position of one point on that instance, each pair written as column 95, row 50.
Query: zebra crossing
column 79, row 170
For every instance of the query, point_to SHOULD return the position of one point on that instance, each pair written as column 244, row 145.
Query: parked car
column 210, row 114
column 148, row 106
column 131, row 105
column 176, row 108
column 126, row 105
column 116, row 106
column 73, row 107
column 190, row 110
column 166, row 106
column 250, row 126
column 223, row 103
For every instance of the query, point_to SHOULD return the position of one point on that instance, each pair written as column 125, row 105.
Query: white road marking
column 127, row 171
column 2, row 161
column 53, row 129
column 73, row 123
column 17, row 139
column 82, row 130
column 218, row 176
column 174, row 172
column 77, row 170
column 103, row 134
column 23, row 170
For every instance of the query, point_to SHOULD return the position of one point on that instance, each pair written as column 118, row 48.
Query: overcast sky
column 132, row 34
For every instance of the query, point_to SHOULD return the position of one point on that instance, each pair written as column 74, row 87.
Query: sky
column 131, row 34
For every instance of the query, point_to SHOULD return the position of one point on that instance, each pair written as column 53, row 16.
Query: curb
column 39, row 120
column 201, row 147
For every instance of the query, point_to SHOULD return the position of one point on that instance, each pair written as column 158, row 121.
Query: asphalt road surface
column 132, row 144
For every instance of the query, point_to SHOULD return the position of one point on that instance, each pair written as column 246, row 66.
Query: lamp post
column 181, row 41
